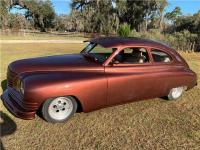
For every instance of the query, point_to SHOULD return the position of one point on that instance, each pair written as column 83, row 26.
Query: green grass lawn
column 149, row 124
column 31, row 36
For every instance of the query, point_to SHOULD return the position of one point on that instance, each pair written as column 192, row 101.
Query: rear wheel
column 175, row 93
column 59, row 109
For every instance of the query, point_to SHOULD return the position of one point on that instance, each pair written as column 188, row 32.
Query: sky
column 61, row 6
column 187, row 6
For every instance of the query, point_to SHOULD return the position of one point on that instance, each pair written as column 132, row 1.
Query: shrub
column 124, row 30
column 183, row 40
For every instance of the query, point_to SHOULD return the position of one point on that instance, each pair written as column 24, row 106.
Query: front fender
column 90, row 88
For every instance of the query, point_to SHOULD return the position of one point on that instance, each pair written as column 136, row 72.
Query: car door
column 130, row 80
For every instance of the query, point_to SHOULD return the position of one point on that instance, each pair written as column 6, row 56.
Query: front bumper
column 17, row 110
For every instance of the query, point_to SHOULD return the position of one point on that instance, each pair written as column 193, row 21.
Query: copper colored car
column 108, row 71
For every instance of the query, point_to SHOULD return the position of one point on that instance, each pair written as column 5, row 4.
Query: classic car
column 107, row 72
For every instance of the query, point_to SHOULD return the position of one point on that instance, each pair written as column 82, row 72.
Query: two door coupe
column 108, row 71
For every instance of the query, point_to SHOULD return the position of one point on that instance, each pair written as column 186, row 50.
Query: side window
column 135, row 55
column 160, row 56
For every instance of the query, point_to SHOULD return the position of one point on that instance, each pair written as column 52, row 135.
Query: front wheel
column 175, row 93
column 59, row 109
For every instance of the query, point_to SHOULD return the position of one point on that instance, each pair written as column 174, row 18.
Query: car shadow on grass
column 7, row 127
column 4, row 85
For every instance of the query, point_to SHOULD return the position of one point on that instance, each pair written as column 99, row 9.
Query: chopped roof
column 119, row 41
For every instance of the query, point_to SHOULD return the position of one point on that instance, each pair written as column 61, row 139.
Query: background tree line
column 142, row 18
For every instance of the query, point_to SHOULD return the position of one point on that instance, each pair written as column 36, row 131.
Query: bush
column 183, row 40
column 124, row 30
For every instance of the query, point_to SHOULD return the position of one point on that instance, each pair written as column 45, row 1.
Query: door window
column 133, row 55
column 160, row 56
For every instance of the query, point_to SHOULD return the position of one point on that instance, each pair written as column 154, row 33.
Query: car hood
column 54, row 63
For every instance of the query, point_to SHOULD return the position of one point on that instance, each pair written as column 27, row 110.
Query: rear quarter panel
column 174, row 76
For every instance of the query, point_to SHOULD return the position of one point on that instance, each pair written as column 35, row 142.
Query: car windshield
column 97, row 52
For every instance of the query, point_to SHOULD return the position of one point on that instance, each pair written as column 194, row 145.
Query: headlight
column 22, row 87
column 19, row 86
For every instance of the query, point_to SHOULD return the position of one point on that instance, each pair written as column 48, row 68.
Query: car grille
column 15, row 95
column 11, row 78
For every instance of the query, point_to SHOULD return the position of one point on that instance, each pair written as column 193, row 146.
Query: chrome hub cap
column 60, row 108
column 176, row 92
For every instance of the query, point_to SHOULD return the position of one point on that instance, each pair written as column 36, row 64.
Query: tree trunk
column 146, row 22
column 161, row 22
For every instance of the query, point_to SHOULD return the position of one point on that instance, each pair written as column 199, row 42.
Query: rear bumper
column 15, row 108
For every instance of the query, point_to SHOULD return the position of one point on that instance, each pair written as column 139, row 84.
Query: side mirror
column 116, row 62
